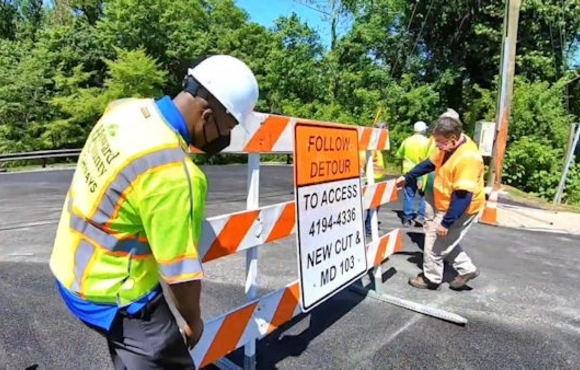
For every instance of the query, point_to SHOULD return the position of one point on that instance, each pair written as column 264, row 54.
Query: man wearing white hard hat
column 412, row 152
column 133, row 215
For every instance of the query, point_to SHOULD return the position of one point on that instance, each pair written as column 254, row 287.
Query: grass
column 535, row 201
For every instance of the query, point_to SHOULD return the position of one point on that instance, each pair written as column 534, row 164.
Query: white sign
column 330, row 218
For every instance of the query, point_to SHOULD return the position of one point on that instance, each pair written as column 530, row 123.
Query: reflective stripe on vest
column 89, row 257
column 122, row 181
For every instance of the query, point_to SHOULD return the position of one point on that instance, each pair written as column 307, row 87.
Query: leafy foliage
column 62, row 62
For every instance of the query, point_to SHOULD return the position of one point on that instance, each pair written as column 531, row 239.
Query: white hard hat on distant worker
column 230, row 81
column 420, row 126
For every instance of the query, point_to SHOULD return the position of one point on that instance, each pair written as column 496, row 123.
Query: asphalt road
column 523, row 310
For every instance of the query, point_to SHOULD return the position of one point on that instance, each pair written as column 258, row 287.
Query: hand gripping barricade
column 229, row 234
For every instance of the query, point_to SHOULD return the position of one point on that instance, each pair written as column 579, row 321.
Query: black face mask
column 213, row 147
column 217, row 145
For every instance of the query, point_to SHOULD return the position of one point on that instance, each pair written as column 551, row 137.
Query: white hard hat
column 450, row 113
column 230, row 81
column 420, row 126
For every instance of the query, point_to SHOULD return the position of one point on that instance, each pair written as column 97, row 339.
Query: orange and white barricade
column 229, row 234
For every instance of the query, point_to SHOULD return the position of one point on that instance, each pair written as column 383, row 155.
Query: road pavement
column 523, row 310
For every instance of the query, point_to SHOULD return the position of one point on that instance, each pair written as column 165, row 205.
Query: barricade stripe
column 378, row 195
column 228, row 234
column 393, row 192
column 267, row 135
column 234, row 329
column 285, row 223
column 230, row 238
column 383, row 139
column 286, row 139
column 228, row 335
column 395, row 244
column 210, row 329
column 381, row 250
column 365, row 138
column 286, row 308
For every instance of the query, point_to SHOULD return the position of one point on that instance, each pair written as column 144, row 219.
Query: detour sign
column 325, row 153
column 330, row 223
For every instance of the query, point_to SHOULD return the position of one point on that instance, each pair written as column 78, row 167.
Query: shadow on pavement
column 283, row 343
column 416, row 258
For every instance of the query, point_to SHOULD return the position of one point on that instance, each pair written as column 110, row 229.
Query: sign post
column 330, row 223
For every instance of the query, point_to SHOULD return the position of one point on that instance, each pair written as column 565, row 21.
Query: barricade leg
column 412, row 306
column 253, row 202
column 251, row 287
column 377, row 273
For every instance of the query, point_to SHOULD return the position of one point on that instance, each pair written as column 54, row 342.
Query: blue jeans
column 368, row 220
column 409, row 192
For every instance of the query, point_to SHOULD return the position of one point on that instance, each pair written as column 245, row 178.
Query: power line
column 312, row 7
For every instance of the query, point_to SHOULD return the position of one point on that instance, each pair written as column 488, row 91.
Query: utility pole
column 507, row 67
column 567, row 162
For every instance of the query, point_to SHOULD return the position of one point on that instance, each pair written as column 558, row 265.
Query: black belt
column 146, row 311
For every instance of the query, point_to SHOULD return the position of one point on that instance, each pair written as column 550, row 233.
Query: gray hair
column 447, row 127
column 450, row 113
column 380, row 125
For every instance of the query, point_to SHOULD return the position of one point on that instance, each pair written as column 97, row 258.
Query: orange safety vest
column 463, row 170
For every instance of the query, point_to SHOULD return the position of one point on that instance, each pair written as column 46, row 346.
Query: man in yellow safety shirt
column 412, row 152
column 134, row 211
column 459, row 196
column 378, row 172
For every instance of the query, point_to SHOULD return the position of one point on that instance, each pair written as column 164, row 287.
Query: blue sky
column 265, row 12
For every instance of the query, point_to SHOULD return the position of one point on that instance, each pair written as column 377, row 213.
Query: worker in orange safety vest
column 458, row 198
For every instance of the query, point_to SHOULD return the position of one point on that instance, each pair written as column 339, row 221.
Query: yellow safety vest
column 412, row 151
column 378, row 163
column 463, row 170
column 133, row 211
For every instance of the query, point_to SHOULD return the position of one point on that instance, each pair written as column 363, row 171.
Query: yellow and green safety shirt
column 378, row 164
column 412, row 152
column 133, row 212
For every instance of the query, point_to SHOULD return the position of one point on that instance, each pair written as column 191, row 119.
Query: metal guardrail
column 59, row 153
column 41, row 154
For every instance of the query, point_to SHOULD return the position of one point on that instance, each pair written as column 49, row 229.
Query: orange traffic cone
column 489, row 215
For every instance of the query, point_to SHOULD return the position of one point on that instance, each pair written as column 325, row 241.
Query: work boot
column 421, row 282
column 460, row 280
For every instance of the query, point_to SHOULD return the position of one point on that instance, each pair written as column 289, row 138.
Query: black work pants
column 149, row 339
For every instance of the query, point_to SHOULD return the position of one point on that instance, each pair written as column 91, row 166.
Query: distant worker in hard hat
column 378, row 172
column 459, row 197
column 133, row 215
column 412, row 152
